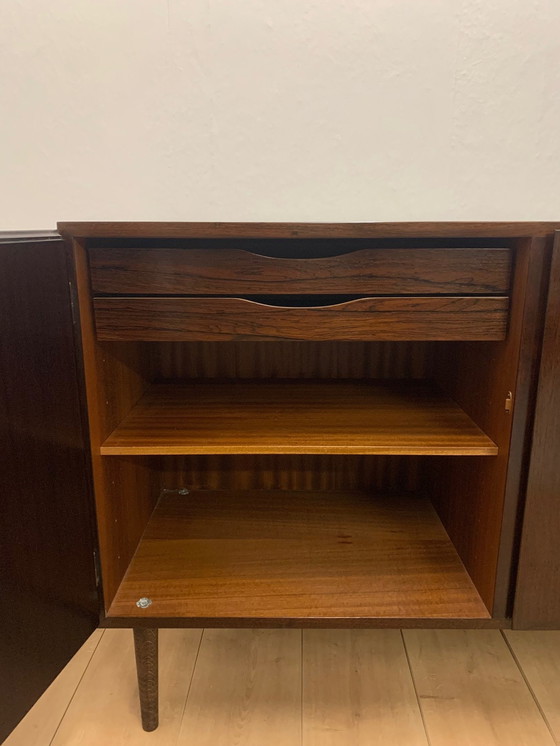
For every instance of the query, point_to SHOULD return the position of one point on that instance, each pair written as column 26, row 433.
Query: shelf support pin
column 509, row 403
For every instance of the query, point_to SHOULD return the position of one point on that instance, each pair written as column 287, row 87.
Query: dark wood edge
column 80, row 371
column 537, row 603
column 530, row 626
column 525, row 396
column 306, row 230
column 350, row 623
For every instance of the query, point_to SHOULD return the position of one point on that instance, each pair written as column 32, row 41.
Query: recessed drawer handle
column 294, row 302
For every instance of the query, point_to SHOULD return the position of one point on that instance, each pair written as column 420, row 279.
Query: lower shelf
column 279, row 557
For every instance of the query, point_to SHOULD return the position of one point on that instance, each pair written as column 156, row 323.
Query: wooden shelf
column 316, row 417
column 278, row 557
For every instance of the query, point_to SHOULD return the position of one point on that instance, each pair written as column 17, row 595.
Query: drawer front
column 239, row 272
column 215, row 319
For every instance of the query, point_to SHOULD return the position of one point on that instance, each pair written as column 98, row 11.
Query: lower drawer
column 387, row 318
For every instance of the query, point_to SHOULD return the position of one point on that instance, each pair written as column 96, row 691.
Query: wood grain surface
column 471, row 692
column 290, row 472
column 48, row 596
column 246, row 690
column 357, row 689
column 247, row 686
column 274, row 556
column 175, row 360
column 125, row 491
column 206, row 319
column 40, row 724
column 537, row 600
column 303, row 360
column 318, row 417
column 538, row 656
column 478, row 501
column 104, row 709
column 305, row 230
column 116, row 271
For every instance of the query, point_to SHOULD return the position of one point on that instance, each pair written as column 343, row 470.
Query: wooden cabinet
column 307, row 425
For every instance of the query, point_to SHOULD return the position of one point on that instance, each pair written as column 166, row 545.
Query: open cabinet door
column 537, row 598
column 48, row 595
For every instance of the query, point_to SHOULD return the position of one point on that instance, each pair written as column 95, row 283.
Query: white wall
column 319, row 110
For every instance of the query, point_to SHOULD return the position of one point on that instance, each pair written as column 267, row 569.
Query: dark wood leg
column 146, row 649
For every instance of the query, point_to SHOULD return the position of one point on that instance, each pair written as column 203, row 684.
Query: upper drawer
column 393, row 318
column 239, row 272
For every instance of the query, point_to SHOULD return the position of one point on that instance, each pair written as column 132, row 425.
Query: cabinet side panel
column 48, row 597
column 537, row 599
column 116, row 375
column 477, row 499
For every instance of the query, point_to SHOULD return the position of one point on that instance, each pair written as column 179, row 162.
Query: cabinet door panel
column 537, row 598
column 48, row 598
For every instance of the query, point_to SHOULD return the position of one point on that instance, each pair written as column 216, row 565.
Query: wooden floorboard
column 40, row 724
column 340, row 688
column 538, row 656
column 105, row 708
column 471, row 691
column 246, row 690
column 357, row 689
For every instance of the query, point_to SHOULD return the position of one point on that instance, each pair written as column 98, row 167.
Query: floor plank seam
column 190, row 685
column 52, row 740
column 529, row 687
column 418, row 702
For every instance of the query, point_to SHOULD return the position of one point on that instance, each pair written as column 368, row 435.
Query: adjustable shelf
column 280, row 556
column 291, row 417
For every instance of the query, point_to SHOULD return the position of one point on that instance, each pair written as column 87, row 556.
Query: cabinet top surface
column 305, row 230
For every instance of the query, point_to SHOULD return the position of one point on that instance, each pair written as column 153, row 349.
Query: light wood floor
column 316, row 688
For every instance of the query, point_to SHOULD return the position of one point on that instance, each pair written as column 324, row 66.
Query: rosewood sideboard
column 316, row 425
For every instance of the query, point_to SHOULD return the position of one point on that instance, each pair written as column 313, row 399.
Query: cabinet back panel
column 291, row 359
column 314, row 473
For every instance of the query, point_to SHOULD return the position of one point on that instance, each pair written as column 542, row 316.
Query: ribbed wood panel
column 292, row 359
column 378, row 473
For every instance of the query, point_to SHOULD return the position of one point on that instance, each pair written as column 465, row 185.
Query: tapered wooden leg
column 146, row 649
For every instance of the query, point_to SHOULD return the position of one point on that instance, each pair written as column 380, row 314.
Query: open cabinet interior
column 305, row 481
